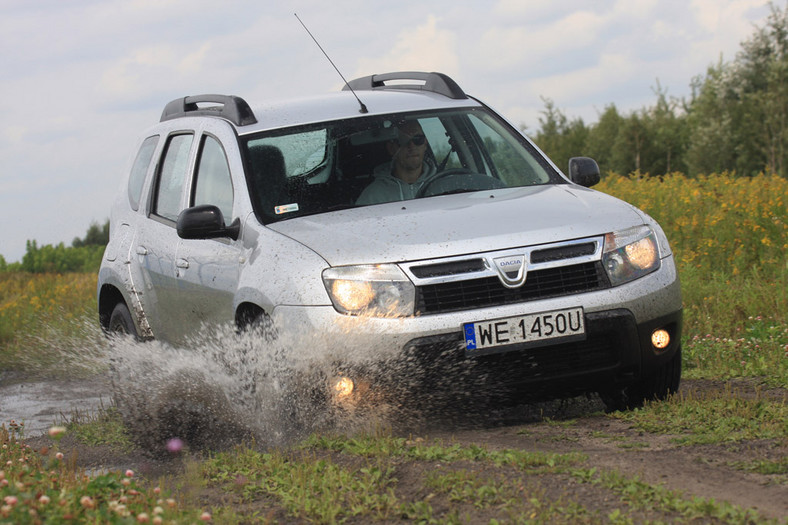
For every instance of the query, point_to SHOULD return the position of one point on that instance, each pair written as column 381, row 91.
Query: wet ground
column 707, row 470
column 39, row 404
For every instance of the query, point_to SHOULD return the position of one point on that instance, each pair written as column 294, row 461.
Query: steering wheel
column 467, row 180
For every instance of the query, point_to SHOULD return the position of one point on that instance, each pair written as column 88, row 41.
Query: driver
column 402, row 177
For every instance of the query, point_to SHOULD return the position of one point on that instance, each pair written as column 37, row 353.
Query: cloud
column 425, row 47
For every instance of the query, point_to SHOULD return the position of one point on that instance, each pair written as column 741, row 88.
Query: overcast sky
column 80, row 78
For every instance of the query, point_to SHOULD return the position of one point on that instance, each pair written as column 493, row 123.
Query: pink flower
column 142, row 518
column 129, row 473
column 205, row 516
column 174, row 445
column 10, row 500
column 59, row 455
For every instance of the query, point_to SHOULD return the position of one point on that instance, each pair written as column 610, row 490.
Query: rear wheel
column 655, row 387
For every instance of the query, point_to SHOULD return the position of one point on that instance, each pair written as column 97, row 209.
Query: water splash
column 276, row 386
column 223, row 387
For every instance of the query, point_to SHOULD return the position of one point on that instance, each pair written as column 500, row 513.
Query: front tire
column 121, row 322
column 656, row 387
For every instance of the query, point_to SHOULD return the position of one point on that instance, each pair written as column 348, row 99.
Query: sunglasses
column 417, row 140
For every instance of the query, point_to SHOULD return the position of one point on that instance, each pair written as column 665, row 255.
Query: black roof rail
column 235, row 109
column 434, row 82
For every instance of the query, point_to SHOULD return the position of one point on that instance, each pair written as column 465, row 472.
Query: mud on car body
column 501, row 265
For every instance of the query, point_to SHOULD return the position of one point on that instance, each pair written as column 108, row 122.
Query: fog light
column 660, row 339
column 343, row 386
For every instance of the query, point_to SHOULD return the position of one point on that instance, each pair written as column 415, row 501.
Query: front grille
column 445, row 358
column 586, row 356
column 449, row 268
column 562, row 252
column 489, row 291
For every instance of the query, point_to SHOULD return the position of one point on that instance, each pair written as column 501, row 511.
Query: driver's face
column 408, row 151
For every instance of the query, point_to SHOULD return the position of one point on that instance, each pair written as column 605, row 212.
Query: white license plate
column 486, row 337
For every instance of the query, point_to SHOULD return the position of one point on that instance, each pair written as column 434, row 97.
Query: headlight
column 374, row 290
column 630, row 253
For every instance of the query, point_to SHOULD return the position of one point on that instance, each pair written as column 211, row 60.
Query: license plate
column 487, row 337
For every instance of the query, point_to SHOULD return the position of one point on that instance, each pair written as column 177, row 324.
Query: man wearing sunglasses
column 407, row 172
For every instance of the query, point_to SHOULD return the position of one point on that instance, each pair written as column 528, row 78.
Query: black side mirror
column 583, row 171
column 205, row 222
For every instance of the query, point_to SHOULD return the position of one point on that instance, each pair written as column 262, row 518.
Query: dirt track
column 575, row 426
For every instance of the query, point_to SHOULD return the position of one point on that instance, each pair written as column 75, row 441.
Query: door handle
column 182, row 263
column 141, row 250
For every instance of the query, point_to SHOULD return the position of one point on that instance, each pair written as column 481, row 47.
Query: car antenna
column 363, row 107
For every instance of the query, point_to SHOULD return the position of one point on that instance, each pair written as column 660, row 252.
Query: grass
column 712, row 418
column 38, row 486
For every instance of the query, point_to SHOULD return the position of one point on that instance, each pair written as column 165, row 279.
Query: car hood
column 459, row 224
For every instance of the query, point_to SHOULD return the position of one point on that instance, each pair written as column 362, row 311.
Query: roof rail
column 434, row 82
column 235, row 109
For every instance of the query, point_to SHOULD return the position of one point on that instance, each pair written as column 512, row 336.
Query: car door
column 207, row 270
column 157, row 239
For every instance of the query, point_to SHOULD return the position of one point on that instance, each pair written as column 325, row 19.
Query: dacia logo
column 511, row 270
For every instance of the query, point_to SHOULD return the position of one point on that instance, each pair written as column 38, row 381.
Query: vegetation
column 735, row 121
column 84, row 255
column 44, row 486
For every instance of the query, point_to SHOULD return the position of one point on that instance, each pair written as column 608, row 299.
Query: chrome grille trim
column 479, row 266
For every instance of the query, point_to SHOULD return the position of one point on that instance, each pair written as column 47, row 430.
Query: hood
column 459, row 224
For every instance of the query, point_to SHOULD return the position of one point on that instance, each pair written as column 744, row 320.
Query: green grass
column 712, row 418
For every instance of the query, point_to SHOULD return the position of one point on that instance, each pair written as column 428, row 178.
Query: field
column 716, row 452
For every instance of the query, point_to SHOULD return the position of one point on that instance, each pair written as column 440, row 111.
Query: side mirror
column 205, row 222
column 583, row 171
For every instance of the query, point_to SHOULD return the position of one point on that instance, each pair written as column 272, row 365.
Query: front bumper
column 427, row 351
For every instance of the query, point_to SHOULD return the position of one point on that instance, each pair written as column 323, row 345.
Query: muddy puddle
column 39, row 404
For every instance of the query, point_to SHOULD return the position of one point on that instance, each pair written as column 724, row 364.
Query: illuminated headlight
column 374, row 290
column 629, row 254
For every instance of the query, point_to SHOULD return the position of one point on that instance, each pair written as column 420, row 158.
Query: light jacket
column 388, row 188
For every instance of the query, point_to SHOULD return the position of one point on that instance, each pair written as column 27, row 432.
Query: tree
column 95, row 236
column 739, row 111
column 601, row 137
column 559, row 138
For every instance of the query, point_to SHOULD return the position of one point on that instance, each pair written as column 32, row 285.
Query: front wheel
column 663, row 382
column 121, row 323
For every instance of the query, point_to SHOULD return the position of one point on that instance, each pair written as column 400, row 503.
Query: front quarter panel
column 278, row 270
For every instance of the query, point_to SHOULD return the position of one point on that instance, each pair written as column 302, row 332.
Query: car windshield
column 372, row 160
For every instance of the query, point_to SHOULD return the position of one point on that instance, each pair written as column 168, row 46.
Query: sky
column 81, row 79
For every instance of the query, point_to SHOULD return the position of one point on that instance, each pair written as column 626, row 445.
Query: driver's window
column 213, row 184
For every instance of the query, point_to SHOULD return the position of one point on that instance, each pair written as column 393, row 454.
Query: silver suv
column 402, row 209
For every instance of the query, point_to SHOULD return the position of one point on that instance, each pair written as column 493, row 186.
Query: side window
column 438, row 139
column 140, row 169
column 513, row 167
column 172, row 176
column 213, row 184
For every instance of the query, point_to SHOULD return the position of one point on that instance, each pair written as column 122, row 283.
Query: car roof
column 398, row 92
column 343, row 105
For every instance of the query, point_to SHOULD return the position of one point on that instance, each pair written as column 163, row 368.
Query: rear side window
column 140, row 169
column 172, row 176
column 213, row 184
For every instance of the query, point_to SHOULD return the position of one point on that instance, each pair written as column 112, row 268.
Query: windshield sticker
column 285, row 208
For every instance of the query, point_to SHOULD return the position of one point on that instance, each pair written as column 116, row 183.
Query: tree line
column 84, row 254
column 735, row 120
